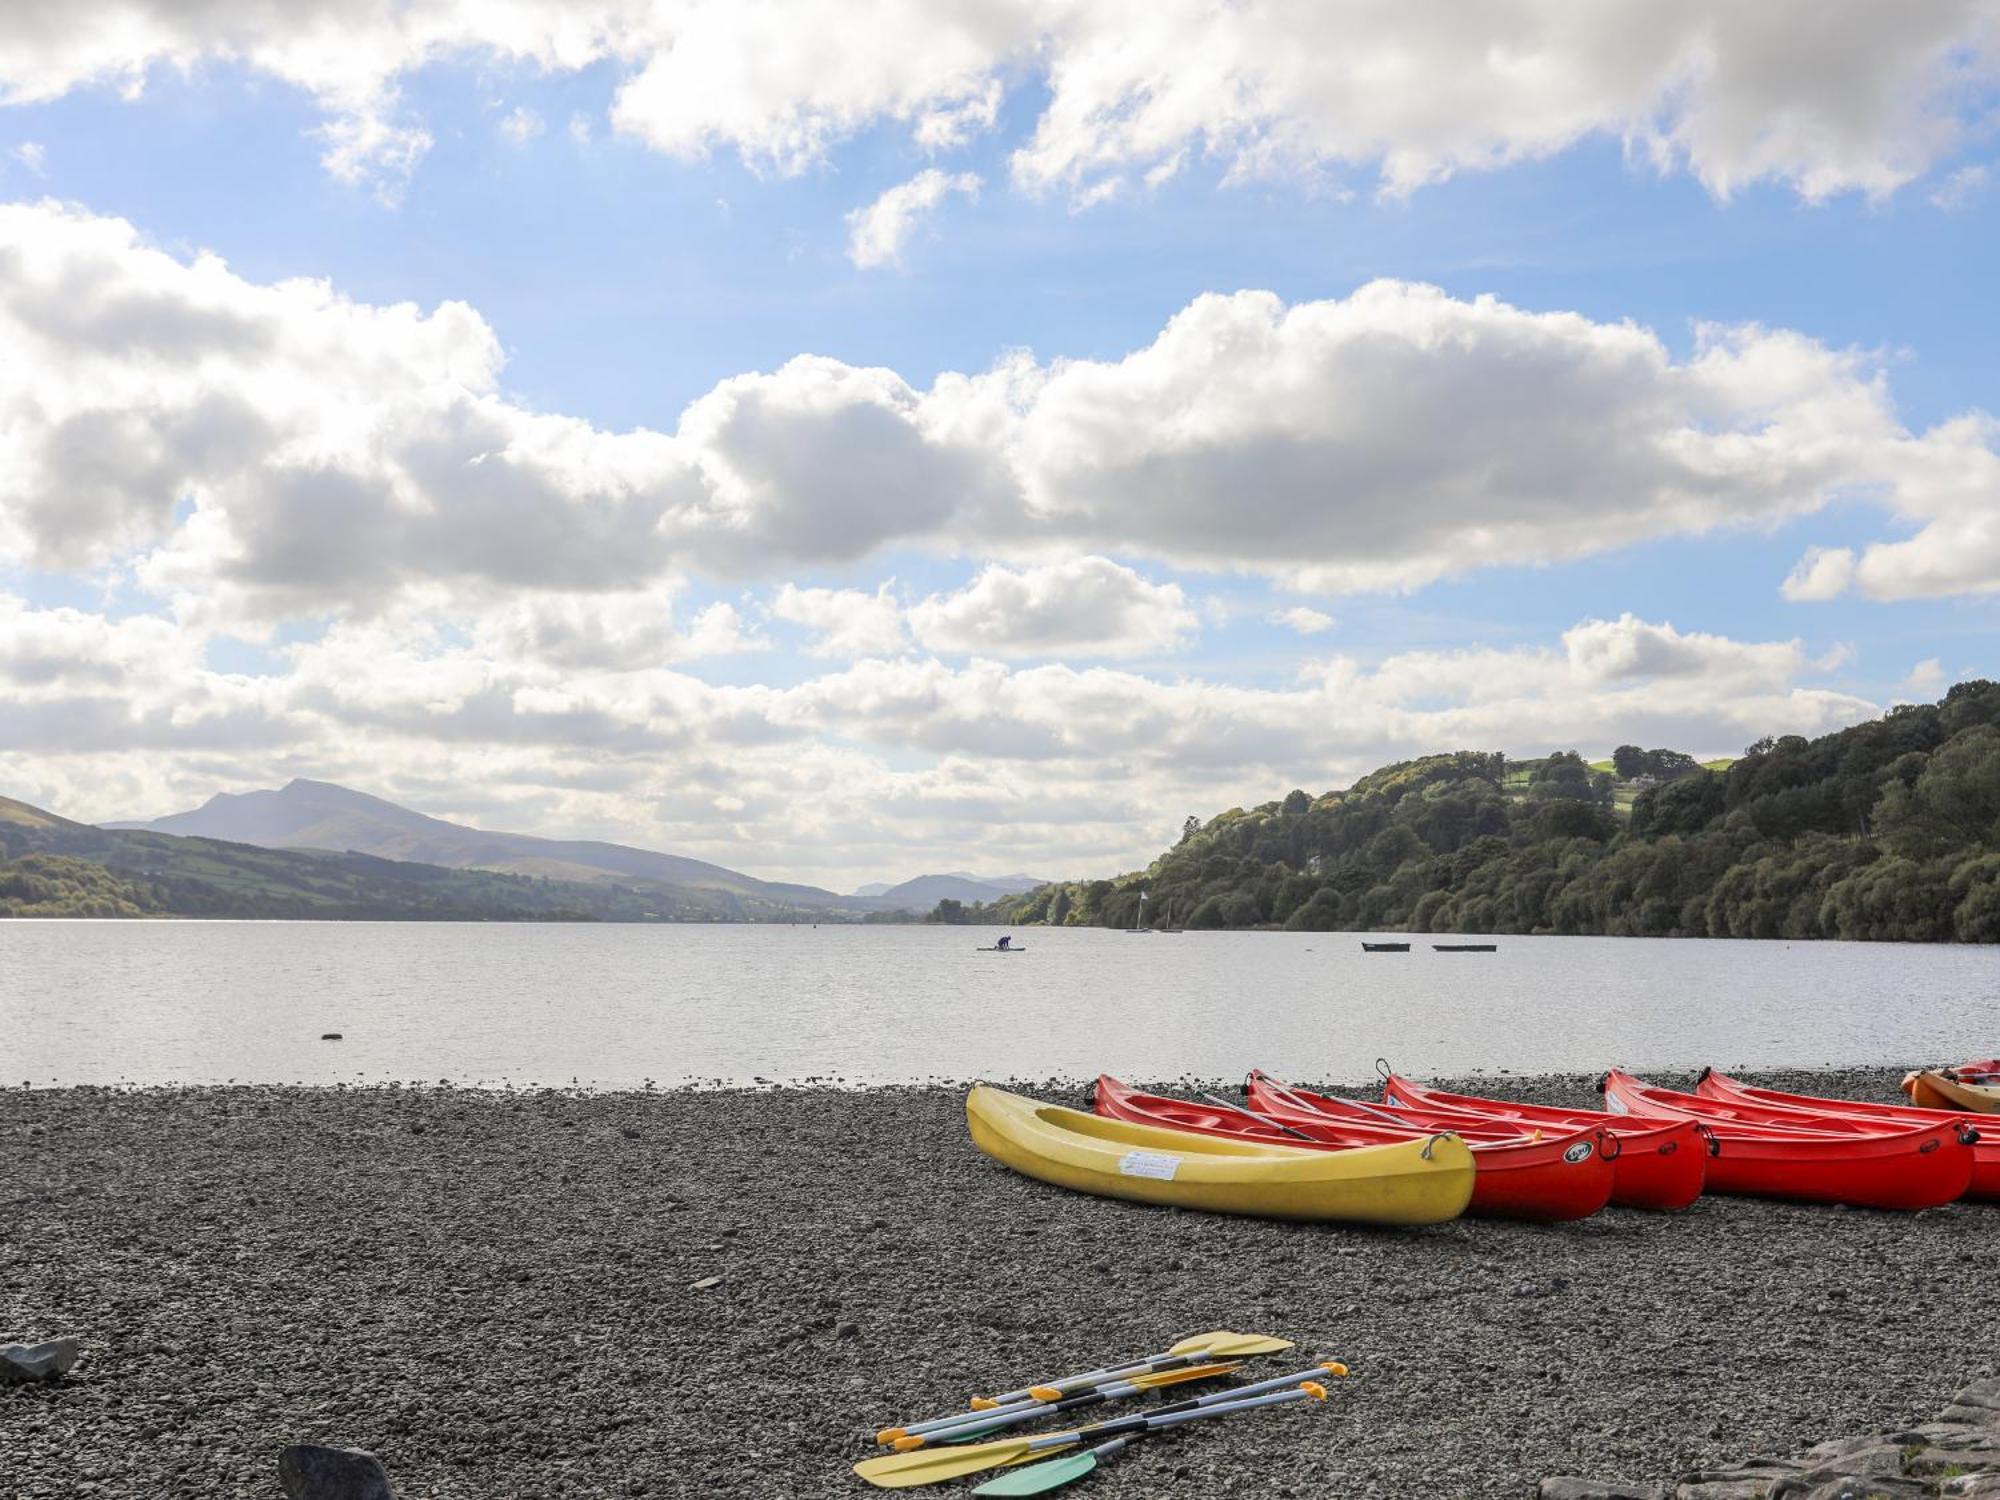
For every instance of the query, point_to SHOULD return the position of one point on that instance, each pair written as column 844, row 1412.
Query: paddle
column 1261, row 1119
column 978, row 1423
column 1039, row 1479
column 1196, row 1348
column 897, row 1471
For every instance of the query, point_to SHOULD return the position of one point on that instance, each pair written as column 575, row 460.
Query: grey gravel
column 724, row 1292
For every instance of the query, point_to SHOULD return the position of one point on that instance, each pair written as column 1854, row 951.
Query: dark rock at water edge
column 1957, row 1457
column 309, row 1472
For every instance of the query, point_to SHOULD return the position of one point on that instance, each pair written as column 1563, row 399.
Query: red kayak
column 1660, row 1164
column 1812, row 1107
column 1892, row 1166
column 1564, row 1175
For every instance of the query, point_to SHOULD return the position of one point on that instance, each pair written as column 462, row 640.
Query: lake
column 615, row 1006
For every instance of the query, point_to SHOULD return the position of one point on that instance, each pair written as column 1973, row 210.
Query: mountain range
column 925, row 891
column 305, row 814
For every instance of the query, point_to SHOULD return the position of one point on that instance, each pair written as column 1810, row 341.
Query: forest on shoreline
column 1889, row 830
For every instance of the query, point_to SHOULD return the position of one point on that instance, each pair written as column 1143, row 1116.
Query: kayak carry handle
column 1442, row 1135
column 1382, row 1069
column 1968, row 1135
column 1609, row 1145
column 1714, row 1140
column 1702, row 1077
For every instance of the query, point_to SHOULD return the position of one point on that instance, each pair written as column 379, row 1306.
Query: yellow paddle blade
column 1224, row 1344
column 902, row 1471
column 1192, row 1372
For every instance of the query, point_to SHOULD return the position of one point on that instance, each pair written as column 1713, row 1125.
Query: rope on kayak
column 1382, row 1068
column 1442, row 1135
column 1609, row 1144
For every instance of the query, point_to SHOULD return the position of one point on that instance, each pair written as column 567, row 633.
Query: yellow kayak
column 1937, row 1089
column 1411, row 1182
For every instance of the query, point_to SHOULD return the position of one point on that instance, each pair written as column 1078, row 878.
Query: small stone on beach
column 310, row 1472
column 24, row 1362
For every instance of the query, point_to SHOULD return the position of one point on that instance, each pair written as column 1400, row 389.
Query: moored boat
column 1423, row 1181
column 1385, row 947
column 1897, row 1167
column 1465, row 947
column 1660, row 1165
column 1544, row 1177
column 1954, row 1089
column 1985, row 1150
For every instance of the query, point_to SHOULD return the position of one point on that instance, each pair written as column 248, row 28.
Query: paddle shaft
column 1021, row 1481
column 1173, row 1359
column 1140, row 1421
column 1173, row 1417
column 1111, row 1391
column 1260, row 1119
column 1026, row 1400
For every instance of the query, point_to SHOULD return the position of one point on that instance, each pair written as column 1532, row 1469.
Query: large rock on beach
column 309, row 1472
column 24, row 1362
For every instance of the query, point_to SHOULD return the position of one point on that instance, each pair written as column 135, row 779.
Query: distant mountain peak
column 309, row 814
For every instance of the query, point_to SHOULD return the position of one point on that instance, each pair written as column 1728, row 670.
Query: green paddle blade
column 902, row 1471
column 1037, row 1479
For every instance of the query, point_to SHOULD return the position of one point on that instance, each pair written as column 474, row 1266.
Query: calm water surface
column 615, row 1006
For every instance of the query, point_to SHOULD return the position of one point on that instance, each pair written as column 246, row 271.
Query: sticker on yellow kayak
column 1149, row 1164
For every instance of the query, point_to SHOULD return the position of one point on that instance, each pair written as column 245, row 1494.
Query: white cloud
column 1823, row 573
column 1944, row 486
column 884, row 762
column 1089, row 606
column 33, row 155
column 262, row 452
column 1862, row 97
column 521, row 125
column 1629, row 649
column 1302, row 619
column 1925, row 678
column 878, row 232
column 849, row 622
column 1961, row 187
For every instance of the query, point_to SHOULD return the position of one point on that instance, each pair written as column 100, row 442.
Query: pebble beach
column 690, row 1293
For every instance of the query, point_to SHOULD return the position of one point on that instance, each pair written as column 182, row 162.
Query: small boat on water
column 1424, row 1181
column 1465, row 947
column 1010, row 948
column 1385, row 947
column 1543, row 1177
column 1660, row 1165
column 1767, row 1152
column 1985, row 1150
column 1969, row 1086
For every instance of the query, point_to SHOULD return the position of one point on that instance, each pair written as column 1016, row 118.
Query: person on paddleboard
column 1004, row 944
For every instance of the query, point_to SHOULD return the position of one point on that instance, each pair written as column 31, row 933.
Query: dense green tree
column 1886, row 830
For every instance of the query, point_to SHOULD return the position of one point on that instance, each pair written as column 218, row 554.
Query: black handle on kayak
column 1609, row 1144
column 1382, row 1069
column 1968, row 1135
column 1714, row 1141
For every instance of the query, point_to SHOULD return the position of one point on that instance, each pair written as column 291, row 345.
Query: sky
column 848, row 441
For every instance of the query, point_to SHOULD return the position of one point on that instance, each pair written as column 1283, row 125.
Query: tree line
column 1889, row 830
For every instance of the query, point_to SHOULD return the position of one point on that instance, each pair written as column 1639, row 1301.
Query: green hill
column 1887, row 830
column 50, row 866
